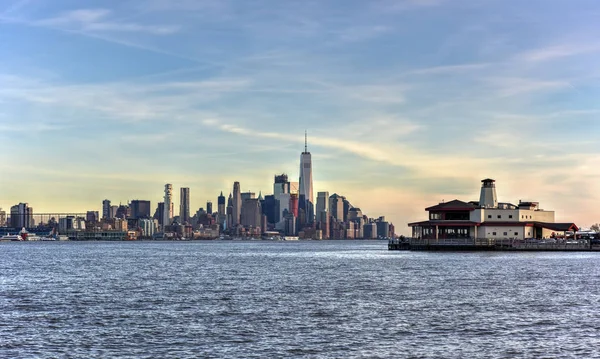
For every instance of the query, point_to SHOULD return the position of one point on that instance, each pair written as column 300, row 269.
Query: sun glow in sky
column 407, row 102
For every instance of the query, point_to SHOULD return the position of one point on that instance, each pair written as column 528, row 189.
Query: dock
column 478, row 244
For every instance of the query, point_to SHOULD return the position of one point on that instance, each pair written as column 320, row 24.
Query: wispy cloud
column 98, row 20
column 559, row 51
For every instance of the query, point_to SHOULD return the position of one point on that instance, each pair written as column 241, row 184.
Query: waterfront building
column 221, row 204
column 294, row 204
column 140, row 209
column 209, row 208
column 237, row 203
column 106, row 209
column 323, row 223
column 289, row 224
column 489, row 219
column 148, row 227
column 370, row 231
column 306, row 182
column 21, row 215
column 168, row 205
column 336, row 206
column 184, row 205
column 2, row 218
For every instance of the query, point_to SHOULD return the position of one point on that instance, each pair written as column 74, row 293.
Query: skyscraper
column 336, row 207
column 251, row 213
column 168, row 199
column 184, row 205
column 21, row 215
column 237, row 203
column 209, row 207
column 106, row 209
column 281, row 185
column 221, row 204
column 140, row 209
column 160, row 212
column 306, row 182
column 229, row 211
column 322, row 202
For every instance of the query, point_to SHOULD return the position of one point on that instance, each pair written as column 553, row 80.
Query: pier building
column 489, row 219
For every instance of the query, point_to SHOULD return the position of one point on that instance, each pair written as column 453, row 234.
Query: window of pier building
column 456, row 216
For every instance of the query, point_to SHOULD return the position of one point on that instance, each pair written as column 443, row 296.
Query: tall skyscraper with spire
column 306, row 182
column 237, row 203
column 168, row 215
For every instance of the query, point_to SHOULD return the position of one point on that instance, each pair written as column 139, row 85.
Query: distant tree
column 595, row 227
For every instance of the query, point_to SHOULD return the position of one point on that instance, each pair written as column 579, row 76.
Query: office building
column 251, row 213
column 247, row 195
column 336, row 207
column 184, row 205
column 306, row 182
column 21, row 216
column 139, row 209
column 168, row 206
column 209, row 208
column 106, row 209
column 92, row 216
column 237, row 203
column 322, row 202
column 281, row 185
column 2, row 218
column 221, row 204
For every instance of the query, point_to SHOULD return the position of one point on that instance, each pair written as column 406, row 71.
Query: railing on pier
column 488, row 243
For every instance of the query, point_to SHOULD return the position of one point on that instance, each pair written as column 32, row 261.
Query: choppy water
column 284, row 299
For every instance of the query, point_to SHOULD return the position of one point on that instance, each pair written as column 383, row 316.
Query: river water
column 329, row 299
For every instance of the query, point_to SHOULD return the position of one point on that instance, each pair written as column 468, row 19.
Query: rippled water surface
column 293, row 299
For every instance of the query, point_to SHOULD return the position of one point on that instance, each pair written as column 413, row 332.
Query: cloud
column 558, row 51
column 95, row 20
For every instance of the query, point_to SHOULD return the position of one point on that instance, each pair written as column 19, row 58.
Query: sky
column 407, row 103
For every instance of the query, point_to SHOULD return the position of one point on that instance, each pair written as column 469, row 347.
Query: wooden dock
column 476, row 244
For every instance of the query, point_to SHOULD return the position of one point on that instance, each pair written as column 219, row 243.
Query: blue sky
column 407, row 102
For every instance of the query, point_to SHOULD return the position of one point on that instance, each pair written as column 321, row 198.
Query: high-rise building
column 251, row 213
column 306, row 182
column 2, row 218
column 270, row 208
column 168, row 206
column 322, row 202
column 209, row 207
column 281, row 185
column 92, row 216
column 336, row 207
column 248, row 195
column 230, row 211
column 140, row 209
column 160, row 212
column 21, row 215
column 113, row 211
column 237, row 203
column 106, row 209
column 184, row 205
column 221, row 204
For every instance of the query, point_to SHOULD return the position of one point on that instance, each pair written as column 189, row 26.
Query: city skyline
column 400, row 113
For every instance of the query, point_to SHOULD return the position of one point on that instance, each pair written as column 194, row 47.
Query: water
column 282, row 299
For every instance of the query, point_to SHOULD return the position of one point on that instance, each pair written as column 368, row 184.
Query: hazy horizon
column 406, row 103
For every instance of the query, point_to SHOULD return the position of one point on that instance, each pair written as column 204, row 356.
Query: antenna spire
column 305, row 141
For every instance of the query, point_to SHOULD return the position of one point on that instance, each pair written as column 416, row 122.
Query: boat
column 11, row 237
